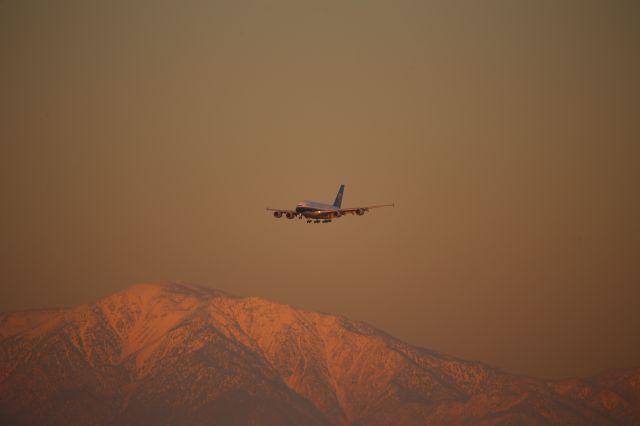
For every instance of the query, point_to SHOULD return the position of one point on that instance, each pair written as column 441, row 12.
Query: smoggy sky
column 142, row 141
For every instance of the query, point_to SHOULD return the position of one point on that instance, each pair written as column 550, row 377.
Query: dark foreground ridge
column 172, row 354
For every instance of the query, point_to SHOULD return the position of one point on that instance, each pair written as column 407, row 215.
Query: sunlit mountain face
column 172, row 354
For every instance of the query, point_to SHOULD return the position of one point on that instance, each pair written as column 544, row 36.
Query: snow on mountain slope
column 186, row 355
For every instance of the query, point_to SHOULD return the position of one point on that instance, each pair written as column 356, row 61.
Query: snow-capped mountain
column 174, row 354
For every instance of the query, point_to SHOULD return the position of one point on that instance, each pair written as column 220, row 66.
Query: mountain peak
column 173, row 353
column 153, row 289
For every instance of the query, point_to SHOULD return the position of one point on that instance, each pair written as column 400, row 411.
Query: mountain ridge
column 173, row 353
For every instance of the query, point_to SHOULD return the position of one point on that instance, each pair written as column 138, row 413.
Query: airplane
column 319, row 212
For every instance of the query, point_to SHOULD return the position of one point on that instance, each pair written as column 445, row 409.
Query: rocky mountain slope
column 172, row 354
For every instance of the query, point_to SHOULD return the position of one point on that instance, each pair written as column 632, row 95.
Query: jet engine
column 277, row 214
column 360, row 212
column 290, row 215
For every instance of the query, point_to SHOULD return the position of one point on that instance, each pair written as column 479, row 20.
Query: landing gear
column 326, row 221
column 308, row 220
column 316, row 221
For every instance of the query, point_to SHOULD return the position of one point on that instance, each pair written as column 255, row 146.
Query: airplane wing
column 361, row 210
column 289, row 214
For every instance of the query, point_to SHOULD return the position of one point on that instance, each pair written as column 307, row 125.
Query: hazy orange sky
column 141, row 141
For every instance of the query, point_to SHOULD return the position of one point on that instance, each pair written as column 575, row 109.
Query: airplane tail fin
column 338, row 202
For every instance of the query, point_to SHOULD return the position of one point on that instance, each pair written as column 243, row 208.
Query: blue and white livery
column 319, row 212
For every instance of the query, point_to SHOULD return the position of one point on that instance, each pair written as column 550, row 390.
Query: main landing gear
column 318, row 220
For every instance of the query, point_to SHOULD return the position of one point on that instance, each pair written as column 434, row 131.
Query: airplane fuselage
column 316, row 210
